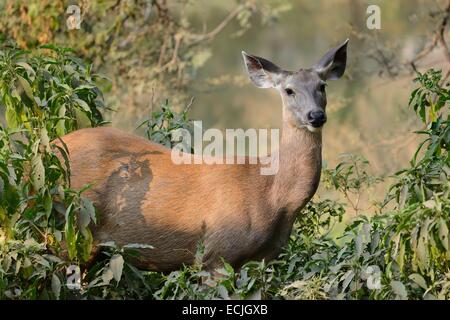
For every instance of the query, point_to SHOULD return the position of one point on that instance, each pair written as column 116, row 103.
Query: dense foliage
column 402, row 252
column 44, row 96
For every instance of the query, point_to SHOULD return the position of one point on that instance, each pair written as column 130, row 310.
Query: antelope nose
column 317, row 118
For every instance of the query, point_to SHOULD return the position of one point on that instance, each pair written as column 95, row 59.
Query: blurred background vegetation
column 152, row 57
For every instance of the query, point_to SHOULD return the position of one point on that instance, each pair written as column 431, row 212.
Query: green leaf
column 358, row 246
column 70, row 234
column 27, row 67
column 223, row 292
column 443, row 233
column 107, row 276
column 401, row 255
column 83, row 120
column 116, row 266
column 83, row 105
column 48, row 204
column 60, row 125
column 83, row 219
column 399, row 289
column 348, row 277
column 18, row 265
column 88, row 210
column 45, row 141
column 422, row 254
column 85, row 242
column 422, row 246
column 56, row 286
column 11, row 117
column 228, row 267
column 38, row 177
column 419, row 280
column 26, row 87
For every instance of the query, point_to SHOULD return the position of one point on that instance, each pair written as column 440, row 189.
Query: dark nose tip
column 317, row 118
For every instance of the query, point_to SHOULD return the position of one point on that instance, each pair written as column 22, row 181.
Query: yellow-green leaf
column 26, row 87
column 11, row 117
column 60, row 125
column 419, row 280
column 38, row 177
column 83, row 104
column 45, row 141
column 70, row 235
column 83, row 120
column 85, row 240
column 443, row 233
column 401, row 255
column 27, row 67
column 422, row 246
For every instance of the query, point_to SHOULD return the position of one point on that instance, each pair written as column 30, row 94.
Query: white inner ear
column 268, row 78
column 262, row 79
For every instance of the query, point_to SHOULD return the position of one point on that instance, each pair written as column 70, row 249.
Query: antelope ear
column 333, row 63
column 262, row 72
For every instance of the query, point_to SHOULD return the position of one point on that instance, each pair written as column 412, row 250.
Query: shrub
column 44, row 95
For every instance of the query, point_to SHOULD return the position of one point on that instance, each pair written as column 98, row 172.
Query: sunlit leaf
column 38, row 172
column 116, row 266
column 399, row 289
column 26, row 87
column 11, row 117
column 443, row 233
column 419, row 280
column 60, row 125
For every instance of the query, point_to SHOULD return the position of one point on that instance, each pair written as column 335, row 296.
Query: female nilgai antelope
column 238, row 214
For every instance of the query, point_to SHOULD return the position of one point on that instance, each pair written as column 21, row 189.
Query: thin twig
column 188, row 107
column 210, row 35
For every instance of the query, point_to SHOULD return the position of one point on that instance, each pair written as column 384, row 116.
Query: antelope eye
column 289, row 91
column 322, row 87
